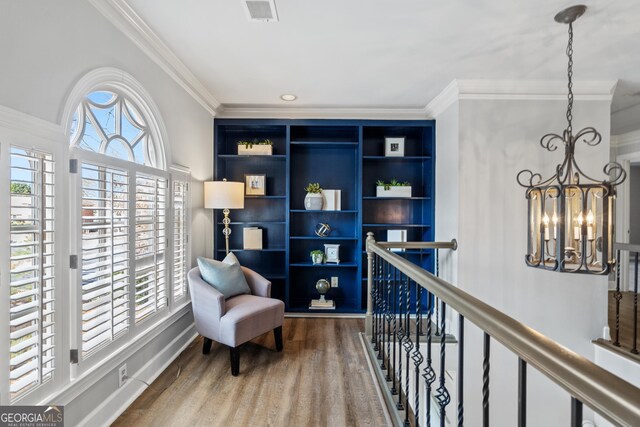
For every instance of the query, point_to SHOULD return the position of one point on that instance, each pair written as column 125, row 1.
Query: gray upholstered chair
column 238, row 319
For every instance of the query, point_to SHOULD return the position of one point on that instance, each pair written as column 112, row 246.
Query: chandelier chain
column 570, row 81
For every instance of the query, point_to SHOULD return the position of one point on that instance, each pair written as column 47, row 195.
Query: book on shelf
column 317, row 304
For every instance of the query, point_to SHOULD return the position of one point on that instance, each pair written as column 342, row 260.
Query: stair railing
column 402, row 315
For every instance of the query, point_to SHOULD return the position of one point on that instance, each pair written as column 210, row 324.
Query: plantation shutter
column 31, row 310
column 150, row 244
column 105, row 255
column 180, row 239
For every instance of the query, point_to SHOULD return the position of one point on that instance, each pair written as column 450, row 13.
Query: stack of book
column 317, row 304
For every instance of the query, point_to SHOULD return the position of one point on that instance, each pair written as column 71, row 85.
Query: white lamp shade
column 224, row 195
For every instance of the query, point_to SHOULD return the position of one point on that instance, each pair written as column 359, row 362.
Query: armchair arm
column 208, row 305
column 259, row 285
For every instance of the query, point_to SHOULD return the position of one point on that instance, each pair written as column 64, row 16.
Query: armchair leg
column 277, row 334
column 235, row 360
column 206, row 347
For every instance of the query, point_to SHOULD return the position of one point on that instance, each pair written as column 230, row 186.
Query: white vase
column 317, row 258
column 313, row 201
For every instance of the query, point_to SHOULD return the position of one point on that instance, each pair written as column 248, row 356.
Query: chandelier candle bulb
column 590, row 234
column 554, row 219
column 546, row 227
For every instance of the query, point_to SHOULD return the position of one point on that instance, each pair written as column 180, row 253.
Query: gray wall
column 634, row 204
column 494, row 140
column 45, row 47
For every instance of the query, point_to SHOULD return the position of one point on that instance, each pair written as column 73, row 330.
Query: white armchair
column 238, row 319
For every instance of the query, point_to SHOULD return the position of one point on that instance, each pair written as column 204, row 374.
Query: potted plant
column 255, row 147
column 313, row 201
column 317, row 257
column 394, row 188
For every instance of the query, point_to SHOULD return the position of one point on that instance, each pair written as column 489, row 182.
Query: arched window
column 122, row 201
column 108, row 122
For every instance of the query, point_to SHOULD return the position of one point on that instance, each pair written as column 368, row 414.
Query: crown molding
column 625, row 139
column 17, row 120
column 531, row 90
column 124, row 18
column 258, row 112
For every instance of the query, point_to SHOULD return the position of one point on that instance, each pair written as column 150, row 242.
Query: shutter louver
column 150, row 244
column 105, row 255
column 180, row 201
column 31, row 312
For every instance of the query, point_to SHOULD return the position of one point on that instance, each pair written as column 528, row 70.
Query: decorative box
column 255, row 150
column 396, row 191
column 252, row 237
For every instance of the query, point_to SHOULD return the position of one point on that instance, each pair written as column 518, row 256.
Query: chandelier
column 571, row 215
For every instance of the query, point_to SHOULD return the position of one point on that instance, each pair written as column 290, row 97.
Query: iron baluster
column 383, row 316
column 576, row 412
column 485, row 380
column 408, row 346
column 394, row 335
column 417, row 356
column 522, row 393
column 460, row 370
column 399, row 337
column 442, row 394
column 379, row 313
column 388, row 321
column 374, row 301
column 429, row 374
column 634, row 349
column 617, row 296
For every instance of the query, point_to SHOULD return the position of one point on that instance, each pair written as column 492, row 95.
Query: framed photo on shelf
column 332, row 253
column 255, row 185
column 394, row 147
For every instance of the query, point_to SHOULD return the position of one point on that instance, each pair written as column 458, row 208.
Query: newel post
column 369, row 317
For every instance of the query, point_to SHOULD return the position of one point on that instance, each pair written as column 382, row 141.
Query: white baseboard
column 107, row 412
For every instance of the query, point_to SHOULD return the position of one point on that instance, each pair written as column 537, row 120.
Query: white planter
column 404, row 191
column 255, row 150
column 313, row 201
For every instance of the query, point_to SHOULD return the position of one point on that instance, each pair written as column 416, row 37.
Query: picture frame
column 332, row 253
column 394, row 146
column 255, row 185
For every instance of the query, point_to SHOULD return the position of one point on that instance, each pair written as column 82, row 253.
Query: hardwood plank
column 319, row 379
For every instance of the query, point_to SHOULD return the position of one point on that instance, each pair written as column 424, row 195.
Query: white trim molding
column 124, row 18
column 258, row 111
column 17, row 120
column 537, row 90
column 625, row 139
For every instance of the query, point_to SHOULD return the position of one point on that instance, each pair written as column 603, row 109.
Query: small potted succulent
column 313, row 201
column 317, row 257
column 255, row 148
column 394, row 188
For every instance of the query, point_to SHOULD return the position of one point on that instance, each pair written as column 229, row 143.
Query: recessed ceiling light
column 288, row 97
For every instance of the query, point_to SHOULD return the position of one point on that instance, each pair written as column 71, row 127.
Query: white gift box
column 397, row 236
column 332, row 200
column 252, row 238
column 398, row 191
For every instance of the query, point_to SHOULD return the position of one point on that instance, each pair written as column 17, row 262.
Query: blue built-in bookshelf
column 348, row 155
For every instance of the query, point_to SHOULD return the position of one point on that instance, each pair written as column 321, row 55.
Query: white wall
column 45, row 47
column 496, row 139
column 447, row 188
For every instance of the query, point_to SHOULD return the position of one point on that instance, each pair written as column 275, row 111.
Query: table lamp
column 224, row 195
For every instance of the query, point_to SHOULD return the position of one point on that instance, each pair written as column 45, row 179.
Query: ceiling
column 394, row 55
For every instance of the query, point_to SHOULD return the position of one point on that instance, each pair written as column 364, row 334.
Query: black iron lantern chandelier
column 571, row 215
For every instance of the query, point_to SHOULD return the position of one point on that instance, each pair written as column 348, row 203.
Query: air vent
column 261, row 10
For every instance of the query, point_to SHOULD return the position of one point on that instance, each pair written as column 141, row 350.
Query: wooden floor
column 320, row 379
